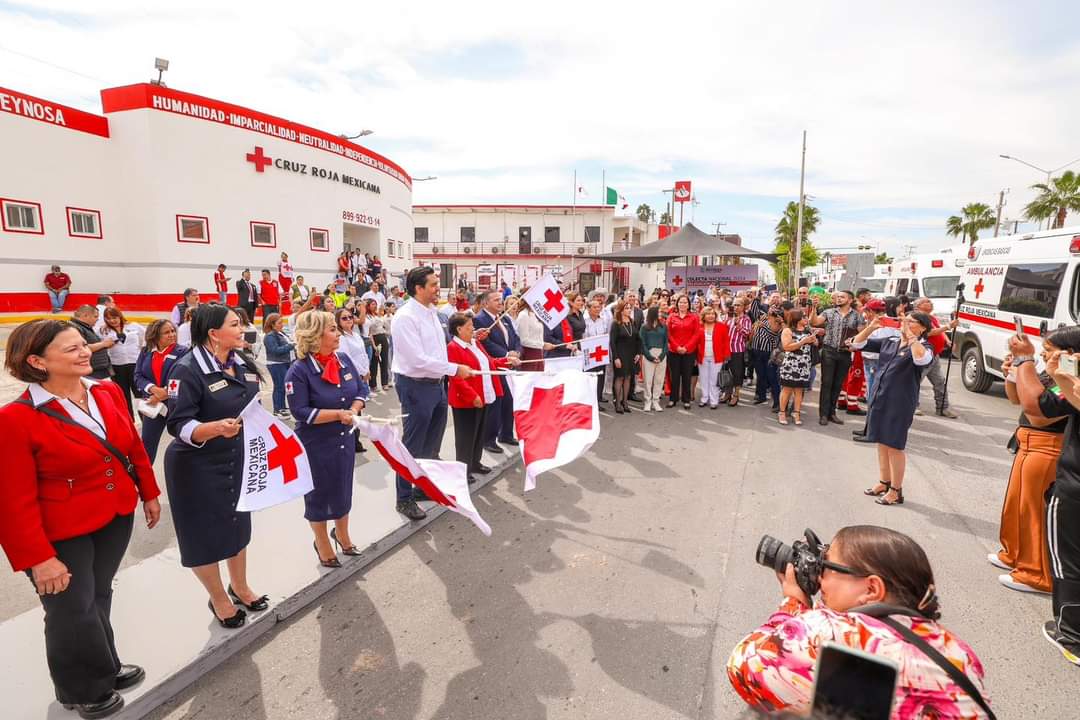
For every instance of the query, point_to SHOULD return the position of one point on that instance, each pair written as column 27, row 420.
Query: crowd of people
column 325, row 353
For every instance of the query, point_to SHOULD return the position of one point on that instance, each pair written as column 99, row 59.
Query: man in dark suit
column 500, row 340
column 247, row 294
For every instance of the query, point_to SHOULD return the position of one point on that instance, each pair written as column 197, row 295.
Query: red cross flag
column 556, row 416
column 547, row 301
column 444, row 481
column 596, row 352
column 276, row 467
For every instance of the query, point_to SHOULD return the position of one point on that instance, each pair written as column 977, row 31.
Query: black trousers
column 267, row 310
column 834, row 369
column 737, row 365
column 380, row 360
column 1063, row 537
column 600, row 372
column 79, row 642
column 124, row 376
column 468, row 435
column 679, row 372
column 249, row 308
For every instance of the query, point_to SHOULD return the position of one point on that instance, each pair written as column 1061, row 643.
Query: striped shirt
column 739, row 330
column 765, row 339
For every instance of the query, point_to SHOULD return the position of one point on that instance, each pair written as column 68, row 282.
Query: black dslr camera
column 806, row 557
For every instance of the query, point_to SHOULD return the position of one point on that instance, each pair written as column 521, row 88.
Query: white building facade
column 150, row 196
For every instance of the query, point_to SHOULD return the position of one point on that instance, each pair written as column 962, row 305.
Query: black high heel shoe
column 229, row 623
column 333, row 563
column 351, row 551
column 258, row 605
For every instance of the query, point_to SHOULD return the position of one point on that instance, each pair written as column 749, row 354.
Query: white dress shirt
column 489, row 386
column 127, row 352
column 376, row 296
column 183, row 334
column 92, row 422
column 352, row 344
column 419, row 343
column 599, row 326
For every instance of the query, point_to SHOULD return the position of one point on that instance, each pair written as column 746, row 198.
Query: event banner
column 736, row 277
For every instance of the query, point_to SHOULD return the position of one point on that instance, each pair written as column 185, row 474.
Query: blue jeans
column 870, row 369
column 222, row 297
column 57, row 298
column 768, row 376
column 424, row 404
column 277, row 373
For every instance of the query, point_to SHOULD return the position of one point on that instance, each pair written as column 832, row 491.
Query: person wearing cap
column 875, row 309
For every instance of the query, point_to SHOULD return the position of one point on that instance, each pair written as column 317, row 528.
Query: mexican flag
column 614, row 198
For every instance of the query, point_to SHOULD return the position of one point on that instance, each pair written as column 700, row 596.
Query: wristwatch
column 1018, row 361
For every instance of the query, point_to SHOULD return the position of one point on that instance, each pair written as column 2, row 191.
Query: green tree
column 973, row 217
column 665, row 218
column 1056, row 199
column 645, row 213
column 882, row 258
column 785, row 238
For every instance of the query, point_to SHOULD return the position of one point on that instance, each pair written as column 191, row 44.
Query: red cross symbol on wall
column 677, row 280
column 284, row 455
column 979, row 287
column 599, row 353
column 554, row 301
column 258, row 159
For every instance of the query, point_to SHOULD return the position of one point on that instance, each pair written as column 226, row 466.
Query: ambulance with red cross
column 1031, row 277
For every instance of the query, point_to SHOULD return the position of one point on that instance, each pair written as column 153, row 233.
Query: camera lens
column 774, row 554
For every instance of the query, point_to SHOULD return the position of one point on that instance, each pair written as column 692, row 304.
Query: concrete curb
column 149, row 699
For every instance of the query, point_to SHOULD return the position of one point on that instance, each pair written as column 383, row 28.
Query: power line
column 902, row 226
column 54, row 65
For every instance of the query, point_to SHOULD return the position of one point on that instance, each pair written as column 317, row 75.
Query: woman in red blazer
column 713, row 350
column 75, row 470
column 469, row 398
column 682, row 328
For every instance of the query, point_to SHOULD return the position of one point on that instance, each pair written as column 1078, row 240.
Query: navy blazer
column 496, row 344
column 144, row 371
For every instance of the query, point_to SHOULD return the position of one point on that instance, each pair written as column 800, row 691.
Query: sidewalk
column 159, row 610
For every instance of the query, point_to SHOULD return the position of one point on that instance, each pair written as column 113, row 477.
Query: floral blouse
column 773, row 667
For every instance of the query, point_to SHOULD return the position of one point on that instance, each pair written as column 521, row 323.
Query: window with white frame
column 21, row 216
column 319, row 239
column 400, row 249
column 389, row 248
column 263, row 234
column 192, row 229
column 83, row 222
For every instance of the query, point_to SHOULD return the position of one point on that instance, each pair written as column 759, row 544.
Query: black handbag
column 724, row 378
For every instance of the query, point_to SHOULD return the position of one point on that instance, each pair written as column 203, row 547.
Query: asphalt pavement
column 618, row 587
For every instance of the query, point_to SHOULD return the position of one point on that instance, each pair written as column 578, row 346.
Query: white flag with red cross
column 445, row 482
column 276, row 467
column 547, row 301
column 596, row 351
column 556, row 417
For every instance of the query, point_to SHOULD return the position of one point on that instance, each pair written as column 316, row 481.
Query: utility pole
column 1000, row 205
column 802, row 206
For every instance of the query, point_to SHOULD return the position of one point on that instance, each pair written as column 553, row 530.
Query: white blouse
column 352, row 344
column 530, row 330
column 489, row 385
column 127, row 352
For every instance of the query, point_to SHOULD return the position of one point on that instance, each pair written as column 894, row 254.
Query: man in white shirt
column 420, row 366
column 597, row 323
column 374, row 293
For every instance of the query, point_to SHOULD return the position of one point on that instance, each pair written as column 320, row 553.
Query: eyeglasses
column 346, row 317
column 837, row 567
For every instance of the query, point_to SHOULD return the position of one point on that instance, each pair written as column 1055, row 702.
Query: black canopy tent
column 687, row 242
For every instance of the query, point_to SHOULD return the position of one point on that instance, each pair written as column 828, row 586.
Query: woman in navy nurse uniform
column 152, row 370
column 207, row 390
column 324, row 391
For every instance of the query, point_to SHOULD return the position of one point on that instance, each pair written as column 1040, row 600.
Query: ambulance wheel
column 976, row 379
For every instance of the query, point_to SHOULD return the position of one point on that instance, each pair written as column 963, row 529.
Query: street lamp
column 429, row 177
column 161, row 65
column 1049, row 173
column 362, row 133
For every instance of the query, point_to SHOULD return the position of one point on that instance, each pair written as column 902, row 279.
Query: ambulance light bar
column 937, row 263
column 1074, row 246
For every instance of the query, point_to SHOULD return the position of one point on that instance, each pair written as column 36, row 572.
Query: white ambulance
column 877, row 282
column 934, row 274
column 1032, row 277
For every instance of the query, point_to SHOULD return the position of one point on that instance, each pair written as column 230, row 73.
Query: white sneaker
column 658, row 407
column 918, row 411
column 1007, row 581
column 995, row 560
column 647, row 408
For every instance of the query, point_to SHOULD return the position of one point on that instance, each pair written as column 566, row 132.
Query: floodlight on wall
column 362, row 133
column 161, row 65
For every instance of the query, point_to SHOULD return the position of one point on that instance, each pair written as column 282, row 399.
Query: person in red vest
column 74, row 471
column 270, row 292
column 221, row 283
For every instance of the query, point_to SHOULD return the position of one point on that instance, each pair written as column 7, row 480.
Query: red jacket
column 268, row 291
column 59, row 482
column 721, row 346
column 463, row 393
column 683, row 331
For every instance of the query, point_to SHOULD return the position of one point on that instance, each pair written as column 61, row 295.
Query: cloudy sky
column 907, row 105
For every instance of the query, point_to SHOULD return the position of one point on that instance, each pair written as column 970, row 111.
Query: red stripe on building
column 127, row 302
column 141, row 97
column 50, row 113
column 994, row 322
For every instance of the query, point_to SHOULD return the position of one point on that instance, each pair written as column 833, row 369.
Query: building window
column 319, row 239
column 192, row 229
column 400, row 249
column 551, row 234
column 21, row 216
column 468, row 234
column 592, row 233
column 420, row 234
column 263, row 234
column 389, row 248
column 84, row 223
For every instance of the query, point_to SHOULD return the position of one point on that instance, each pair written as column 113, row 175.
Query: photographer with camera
column 877, row 596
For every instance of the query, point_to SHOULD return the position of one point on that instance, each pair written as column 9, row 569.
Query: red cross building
column 258, row 159
column 979, row 287
column 553, row 301
column 284, row 454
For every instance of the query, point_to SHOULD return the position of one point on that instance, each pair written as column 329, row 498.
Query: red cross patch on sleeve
column 174, row 388
column 288, row 388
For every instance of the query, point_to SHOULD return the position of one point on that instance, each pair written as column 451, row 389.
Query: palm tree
column 785, row 238
column 973, row 218
column 1056, row 199
column 645, row 213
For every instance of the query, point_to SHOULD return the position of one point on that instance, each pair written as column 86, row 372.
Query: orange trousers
column 1023, row 514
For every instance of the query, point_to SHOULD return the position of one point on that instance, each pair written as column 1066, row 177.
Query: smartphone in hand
column 850, row 683
column 1019, row 321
